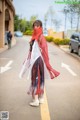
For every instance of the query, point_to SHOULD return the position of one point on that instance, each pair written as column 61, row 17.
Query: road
column 62, row 93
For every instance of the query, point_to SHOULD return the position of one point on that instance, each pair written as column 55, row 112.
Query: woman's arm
column 31, row 44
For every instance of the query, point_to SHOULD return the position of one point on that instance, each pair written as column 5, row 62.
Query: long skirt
column 37, row 78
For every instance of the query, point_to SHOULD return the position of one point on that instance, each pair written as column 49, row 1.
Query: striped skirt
column 37, row 78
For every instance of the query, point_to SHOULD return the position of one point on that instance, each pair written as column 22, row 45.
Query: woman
column 39, row 62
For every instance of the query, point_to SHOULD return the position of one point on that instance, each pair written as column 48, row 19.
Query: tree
column 16, row 22
column 30, row 22
column 33, row 18
column 51, row 14
column 57, row 24
column 65, row 11
column 74, row 13
column 23, row 24
column 77, row 12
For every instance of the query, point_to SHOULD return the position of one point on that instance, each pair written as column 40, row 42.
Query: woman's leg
column 41, row 95
column 37, row 81
column 34, row 84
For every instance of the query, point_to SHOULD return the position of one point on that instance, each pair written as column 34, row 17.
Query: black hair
column 37, row 23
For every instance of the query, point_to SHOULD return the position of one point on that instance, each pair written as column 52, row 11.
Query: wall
column 56, row 34
column 5, row 6
column 2, row 24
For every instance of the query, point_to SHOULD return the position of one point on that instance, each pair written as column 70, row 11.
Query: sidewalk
column 6, row 47
column 65, row 48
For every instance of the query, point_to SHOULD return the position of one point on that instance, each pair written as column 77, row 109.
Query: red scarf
column 36, row 33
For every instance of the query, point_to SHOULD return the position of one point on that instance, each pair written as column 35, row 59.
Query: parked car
column 18, row 34
column 74, row 44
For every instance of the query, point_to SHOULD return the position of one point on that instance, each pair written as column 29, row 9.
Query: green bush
column 65, row 41
column 58, row 41
column 49, row 38
column 28, row 32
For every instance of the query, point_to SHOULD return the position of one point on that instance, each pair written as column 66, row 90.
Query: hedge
column 58, row 41
column 49, row 38
column 28, row 32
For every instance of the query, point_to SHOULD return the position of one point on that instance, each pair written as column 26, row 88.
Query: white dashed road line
column 68, row 68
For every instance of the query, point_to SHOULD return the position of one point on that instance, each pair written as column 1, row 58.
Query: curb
column 66, row 50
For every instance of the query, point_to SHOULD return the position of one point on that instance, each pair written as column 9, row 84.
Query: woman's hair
column 37, row 23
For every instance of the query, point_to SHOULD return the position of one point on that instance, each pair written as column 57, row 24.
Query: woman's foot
column 41, row 100
column 35, row 103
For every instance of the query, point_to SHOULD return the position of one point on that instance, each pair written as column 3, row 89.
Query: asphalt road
column 62, row 93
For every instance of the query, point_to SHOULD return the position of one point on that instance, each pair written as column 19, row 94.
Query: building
column 7, row 12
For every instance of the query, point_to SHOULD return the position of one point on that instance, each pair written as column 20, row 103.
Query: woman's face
column 36, row 27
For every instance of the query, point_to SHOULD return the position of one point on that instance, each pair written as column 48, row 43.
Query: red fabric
column 39, row 90
column 44, row 48
column 36, row 33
